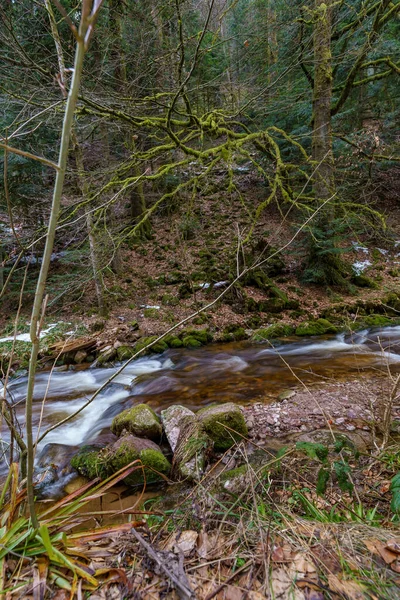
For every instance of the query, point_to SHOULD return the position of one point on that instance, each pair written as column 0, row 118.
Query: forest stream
column 240, row 372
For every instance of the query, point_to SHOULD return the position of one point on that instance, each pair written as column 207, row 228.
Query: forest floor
column 269, row 535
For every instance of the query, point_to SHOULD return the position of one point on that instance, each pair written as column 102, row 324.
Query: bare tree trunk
column 323, row 265
column 324, row 183
column 93, row 253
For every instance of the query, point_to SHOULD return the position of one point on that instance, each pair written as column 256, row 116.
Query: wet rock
column 171, row 419
column 107, row 354
column 141, row 420
column 224, row 423
column 58, row 455
column 125, row 352
column 80, row 357
column 192, row 447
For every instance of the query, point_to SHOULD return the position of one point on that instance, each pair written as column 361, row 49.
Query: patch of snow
column 149, row 306
column 25, row 337
column 219, row 284
column 359, row 248
column 382, row 251
column 360, row 266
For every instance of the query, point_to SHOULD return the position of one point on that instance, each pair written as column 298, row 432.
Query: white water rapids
column 217, row 373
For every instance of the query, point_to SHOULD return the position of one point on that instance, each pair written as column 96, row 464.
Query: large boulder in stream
column 224, row 423
column 127, row 449
column 140, row 420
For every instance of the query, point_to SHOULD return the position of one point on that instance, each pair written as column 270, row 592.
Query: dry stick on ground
column 182, row 322
column 181, row 582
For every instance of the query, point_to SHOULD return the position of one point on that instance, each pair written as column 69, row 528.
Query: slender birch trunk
column 88, row 15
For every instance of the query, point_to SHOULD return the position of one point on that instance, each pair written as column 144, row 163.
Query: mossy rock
column 125, row 352
column 272, row 305
column 174, row 342
column 363, row 281
column 318, row 327
column 130, row 448
column 392, row 300
column 171, row 419
column 157, row 348
column 90, row 463
column 376, row 321
column 194, row 338
column 234, row 333
column 200, row 320
column 141, row 420
column 107, row 355
column 224, row 423
column 277, row 330
column 191, row 342
column 94, row 463
column 192, row 448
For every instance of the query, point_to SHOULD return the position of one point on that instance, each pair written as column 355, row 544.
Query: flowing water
column 240, row 372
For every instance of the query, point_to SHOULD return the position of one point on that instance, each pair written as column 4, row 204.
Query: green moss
column 141, row 420
column 318, row 327
column 90, row 463
column 125, row 352
column 154, row 461
column 393, row 301
column 233, row 473
column 224, row 424
column 173, row 341
column 157, row 348
column 151, row 313
column 376, row 321
column 363, row 281
column 194, row 338
column 277, row 330
column 150, row 458
column 200, row 320
column 191, row 342
column 169, row 300
column 234, row 333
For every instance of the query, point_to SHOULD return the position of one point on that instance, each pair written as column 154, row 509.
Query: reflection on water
column 239, row 372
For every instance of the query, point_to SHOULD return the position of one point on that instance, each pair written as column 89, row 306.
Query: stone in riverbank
column 93, row 463
column 171, row 419
column 140, row 420
column 191, row 450
column 130, row 448
column 318, row 327
column 224, row 423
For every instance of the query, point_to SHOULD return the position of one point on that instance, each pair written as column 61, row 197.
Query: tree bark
column 324, row 182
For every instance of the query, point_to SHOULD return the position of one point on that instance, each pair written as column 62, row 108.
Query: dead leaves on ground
column 215, row 564
column 388, row 551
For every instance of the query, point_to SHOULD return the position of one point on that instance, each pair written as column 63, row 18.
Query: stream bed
column 240, row 372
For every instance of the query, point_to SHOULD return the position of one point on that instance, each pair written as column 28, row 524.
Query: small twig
column 227, row 581
column 185, row 589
